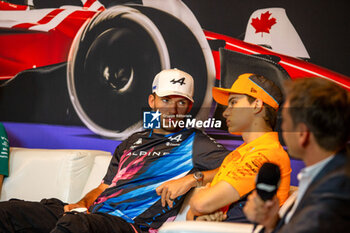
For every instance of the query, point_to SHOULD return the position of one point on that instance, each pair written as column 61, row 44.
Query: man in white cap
column 172, row 96
column 126, row 200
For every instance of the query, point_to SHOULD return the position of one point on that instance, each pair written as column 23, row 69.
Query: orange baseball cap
column 245, row 84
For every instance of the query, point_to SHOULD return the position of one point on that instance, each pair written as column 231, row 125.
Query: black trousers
column 17, row 216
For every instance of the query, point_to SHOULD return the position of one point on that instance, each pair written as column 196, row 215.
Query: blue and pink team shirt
column 146, row 160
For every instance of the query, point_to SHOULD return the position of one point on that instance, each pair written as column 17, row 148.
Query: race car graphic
column 95, row 65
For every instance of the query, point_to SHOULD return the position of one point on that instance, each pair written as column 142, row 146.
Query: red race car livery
column 112, row 54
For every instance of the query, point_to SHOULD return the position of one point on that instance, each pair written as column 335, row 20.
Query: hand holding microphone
column 262, row 205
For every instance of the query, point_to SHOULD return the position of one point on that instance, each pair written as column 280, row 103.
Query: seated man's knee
column 71, row 222
column 9, row 206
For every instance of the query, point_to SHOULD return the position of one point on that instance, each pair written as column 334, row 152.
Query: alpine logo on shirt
column 178, row 138
column 174, row 141
column 148, row 153
column 139, row 172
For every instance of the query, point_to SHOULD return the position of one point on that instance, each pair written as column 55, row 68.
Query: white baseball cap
column 173, row 82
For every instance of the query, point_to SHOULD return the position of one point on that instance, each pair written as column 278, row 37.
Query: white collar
column 311, row 171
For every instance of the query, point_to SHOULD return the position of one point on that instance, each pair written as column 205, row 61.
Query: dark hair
column 271, row 88
column 324, row 107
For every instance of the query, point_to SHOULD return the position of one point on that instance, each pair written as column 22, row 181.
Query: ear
column 304, row 135
column 151, row 101
column 258, row 106
column 189, row 107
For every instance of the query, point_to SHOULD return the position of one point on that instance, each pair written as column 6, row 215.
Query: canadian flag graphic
column 264, row 23
column 272, row 28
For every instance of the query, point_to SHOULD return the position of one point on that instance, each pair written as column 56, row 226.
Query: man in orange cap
column 252, row 103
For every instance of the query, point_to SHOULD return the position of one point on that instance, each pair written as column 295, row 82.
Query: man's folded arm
column 211, row 199
column 88, row 199
column 174, row 188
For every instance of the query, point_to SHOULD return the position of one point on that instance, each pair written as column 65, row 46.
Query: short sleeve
column 4, row 152
column 241, row 174
column 208, row 154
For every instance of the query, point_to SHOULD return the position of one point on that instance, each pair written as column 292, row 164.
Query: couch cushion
column 98, row 171
column 42, row 173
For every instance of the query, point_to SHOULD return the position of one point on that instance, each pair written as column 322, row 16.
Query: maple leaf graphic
column 263, row 24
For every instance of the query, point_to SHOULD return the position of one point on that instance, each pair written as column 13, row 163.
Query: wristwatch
column 198, row 176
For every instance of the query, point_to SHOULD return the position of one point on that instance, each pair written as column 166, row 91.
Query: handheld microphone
column 267, row 181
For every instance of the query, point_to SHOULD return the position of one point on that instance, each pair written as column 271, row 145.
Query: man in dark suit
column 316, row 129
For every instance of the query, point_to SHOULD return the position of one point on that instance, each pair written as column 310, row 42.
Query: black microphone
column 267, row 181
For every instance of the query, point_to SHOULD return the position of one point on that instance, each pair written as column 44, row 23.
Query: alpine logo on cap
column 181, row 81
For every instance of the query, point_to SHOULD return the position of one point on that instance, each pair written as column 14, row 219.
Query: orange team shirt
column 241, row 166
